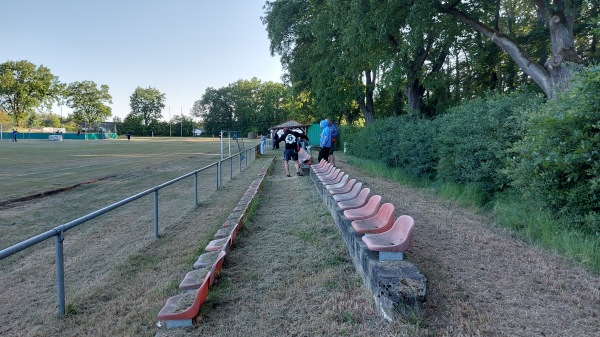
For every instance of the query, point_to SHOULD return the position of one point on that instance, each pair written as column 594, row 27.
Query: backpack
column 335, row 134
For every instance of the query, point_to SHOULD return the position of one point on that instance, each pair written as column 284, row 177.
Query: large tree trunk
column 366, row 104
column 556, row 74
column 414, row 94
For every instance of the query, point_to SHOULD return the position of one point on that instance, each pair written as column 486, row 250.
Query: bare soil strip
column 7, row 203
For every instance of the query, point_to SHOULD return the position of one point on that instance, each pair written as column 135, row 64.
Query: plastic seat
column 366, row 211
column 336, row 179
column 332, row 174
column 193, row 279
column 320, row 164
column 206, row 259
column 350, row 195
column 323, row 168
column 326, row 169
column 379, row 223
column 215, row 270
column 339, row 184
column 397, row 239
column 344, row 189
column 183, row 316
column 359, row 201
column 227, row 242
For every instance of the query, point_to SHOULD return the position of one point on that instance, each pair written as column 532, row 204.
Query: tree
column 24, row 88
column 88, row 102
column 215, row 109
column 313, row 51
column 247, row 106
column 147, row 104
column 560, row 16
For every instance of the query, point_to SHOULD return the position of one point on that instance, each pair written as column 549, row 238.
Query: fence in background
column 59, row 231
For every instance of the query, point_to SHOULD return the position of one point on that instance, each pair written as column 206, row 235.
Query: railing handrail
column 66, row 226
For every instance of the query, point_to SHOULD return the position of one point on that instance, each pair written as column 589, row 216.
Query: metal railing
column 58, row 232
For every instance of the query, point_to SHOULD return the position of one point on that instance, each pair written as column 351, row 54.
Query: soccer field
column 45, row 184
column 103, row 255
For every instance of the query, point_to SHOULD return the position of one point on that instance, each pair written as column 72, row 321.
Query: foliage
column 179, row 126
column 4, row 117
column 247, row 106
column 50, row 120
column 25, row 88
column 399, row 142
column 147, row 103
column 419, row 57
column 558, row 160
column 473, row 141
column 88, row 102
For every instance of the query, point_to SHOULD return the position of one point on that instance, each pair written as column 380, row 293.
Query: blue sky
column 180, row 47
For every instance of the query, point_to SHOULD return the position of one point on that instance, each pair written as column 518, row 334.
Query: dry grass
column 289, row 273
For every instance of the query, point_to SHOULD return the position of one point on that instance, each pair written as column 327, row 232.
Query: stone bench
column 180, row 310
column 397, row 286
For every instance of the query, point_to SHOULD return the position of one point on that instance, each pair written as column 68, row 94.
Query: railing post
column 217, row 175
column 60, row 274
column 196, row 189
column 156, row 213
column 221, row 173
column 230, row 168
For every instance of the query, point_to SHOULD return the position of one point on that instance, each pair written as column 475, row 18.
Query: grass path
column 289, row 274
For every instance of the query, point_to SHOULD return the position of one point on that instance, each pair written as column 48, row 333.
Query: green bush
column 558, row 160
column 398, row 142
column 474, row 139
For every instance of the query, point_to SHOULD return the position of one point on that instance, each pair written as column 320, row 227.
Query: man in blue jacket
column 325, row 142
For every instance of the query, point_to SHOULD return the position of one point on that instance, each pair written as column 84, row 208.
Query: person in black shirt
column 290, row 138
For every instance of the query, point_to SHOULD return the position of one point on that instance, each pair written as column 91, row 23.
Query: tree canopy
column 419, row 57
column 88, row 102
column 25, row 87
column 247, row 106
column 147, row 104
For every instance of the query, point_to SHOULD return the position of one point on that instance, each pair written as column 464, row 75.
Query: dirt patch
column 8, row 203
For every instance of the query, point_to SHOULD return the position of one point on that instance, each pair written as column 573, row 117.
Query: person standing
column 128, row 135
column 335, row 134
column 290, row 138
column 263, row 144
column 14, row 135
column 325, row 141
